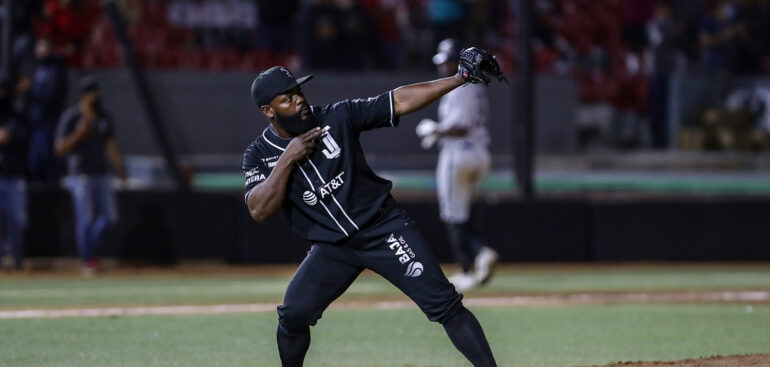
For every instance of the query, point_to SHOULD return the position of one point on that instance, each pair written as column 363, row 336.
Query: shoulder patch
column 254, row 175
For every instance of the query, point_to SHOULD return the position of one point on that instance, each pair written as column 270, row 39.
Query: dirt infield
column 720, row 361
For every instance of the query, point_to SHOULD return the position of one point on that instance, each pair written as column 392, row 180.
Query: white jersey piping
column 323, row 181
column 332, row 195
column 390, row 95
column 270, row 142
column 322, row 203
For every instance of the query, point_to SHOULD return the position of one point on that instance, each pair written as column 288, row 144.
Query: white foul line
column 528, row 300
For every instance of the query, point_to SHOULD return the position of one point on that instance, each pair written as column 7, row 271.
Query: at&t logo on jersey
column 331, row 186
column 405, row 255
column 309, row 198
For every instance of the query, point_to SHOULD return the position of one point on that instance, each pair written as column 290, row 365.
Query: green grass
column 549, row 336
column 663, row 278
column 519, row 336
column 53, row 292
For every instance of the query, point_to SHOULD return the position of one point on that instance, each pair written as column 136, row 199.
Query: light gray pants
column 461, row 168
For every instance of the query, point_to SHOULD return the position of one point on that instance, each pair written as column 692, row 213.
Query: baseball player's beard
column 294, row 124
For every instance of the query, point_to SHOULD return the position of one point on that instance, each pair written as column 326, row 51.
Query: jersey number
column 332, row 149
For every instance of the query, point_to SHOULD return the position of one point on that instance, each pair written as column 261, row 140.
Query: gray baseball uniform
column 464, row 161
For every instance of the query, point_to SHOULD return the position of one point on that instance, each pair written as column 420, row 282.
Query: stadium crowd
column 621, row 53
column 572, row 36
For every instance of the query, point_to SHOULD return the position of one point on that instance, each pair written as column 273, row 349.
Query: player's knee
column 296, row 317
column 459, row 311
column 446, row 310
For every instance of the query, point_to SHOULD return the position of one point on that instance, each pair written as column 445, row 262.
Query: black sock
column 459, row 238
column 467, row 336
column 292, row 346
column 476, row 242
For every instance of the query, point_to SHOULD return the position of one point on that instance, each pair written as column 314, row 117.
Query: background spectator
column 447, row 18
column 67, row 24
column 25, row 13
column 86, row 136
column 662, row 43
column 388, row 18
column 276, row 29
column 634, row 17
column 719, row 33
column 13, row 187
column 358, row 39
column 321, row 35
column 46, row 98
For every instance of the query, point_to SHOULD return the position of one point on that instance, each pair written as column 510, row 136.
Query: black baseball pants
column 392, row 248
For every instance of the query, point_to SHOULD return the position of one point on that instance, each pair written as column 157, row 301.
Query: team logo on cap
column 285, row 70
column 309, row 198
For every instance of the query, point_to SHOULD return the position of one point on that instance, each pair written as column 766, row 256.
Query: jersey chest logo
column 309, row 198
column 332, row 149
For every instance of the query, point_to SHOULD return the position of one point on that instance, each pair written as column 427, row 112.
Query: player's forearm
column 67, row 143
column 413, row 97
column 266, row 198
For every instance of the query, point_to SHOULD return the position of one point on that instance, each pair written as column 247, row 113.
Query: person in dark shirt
column 321, row 35
column 13, row 186
column 86, row 137
column 662, row 40
column 46, row 100
column 309, row 162
column 276, row 26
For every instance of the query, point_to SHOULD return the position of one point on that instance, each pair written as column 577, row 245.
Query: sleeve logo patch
column 255, row 178
column 253, row 175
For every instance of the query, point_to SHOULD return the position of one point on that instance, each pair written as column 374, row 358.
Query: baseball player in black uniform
column 309, row 162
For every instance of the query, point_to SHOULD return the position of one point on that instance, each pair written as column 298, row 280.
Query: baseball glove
column 476, row 65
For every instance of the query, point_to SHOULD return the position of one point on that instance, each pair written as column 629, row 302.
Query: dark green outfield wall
column 163, row 227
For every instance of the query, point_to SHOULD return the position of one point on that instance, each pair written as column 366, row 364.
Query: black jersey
column 90, row 155
column 333, row 193
column 13, row 155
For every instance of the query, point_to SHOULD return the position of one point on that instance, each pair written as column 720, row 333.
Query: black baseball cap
column 88, row 84
column 273, row 82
